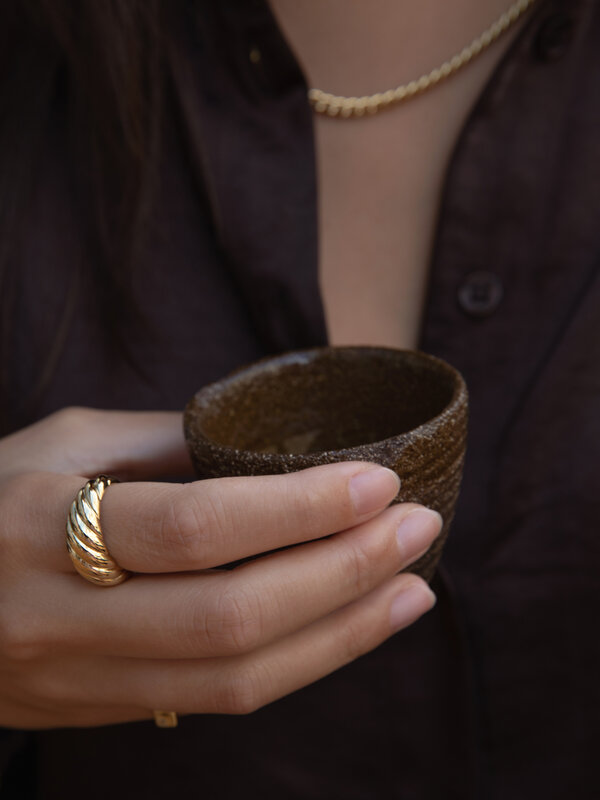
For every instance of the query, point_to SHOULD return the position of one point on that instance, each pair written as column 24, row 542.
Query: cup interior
column 327, row 399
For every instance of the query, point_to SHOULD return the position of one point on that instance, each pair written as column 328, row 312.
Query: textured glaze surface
column 402, row 409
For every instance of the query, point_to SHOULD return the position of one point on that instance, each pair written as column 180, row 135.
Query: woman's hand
column 181, row 635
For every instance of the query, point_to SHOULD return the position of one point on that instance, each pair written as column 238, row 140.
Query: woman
column 170, row 188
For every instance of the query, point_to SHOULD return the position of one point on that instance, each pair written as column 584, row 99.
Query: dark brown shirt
column 494, row 694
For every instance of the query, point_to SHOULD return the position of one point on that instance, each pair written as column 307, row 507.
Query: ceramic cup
column 402, row 409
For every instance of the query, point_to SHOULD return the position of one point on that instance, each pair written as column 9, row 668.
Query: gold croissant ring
column 90, row 555
column 85, row 542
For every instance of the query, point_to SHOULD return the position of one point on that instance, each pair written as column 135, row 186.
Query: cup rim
column 202, row 399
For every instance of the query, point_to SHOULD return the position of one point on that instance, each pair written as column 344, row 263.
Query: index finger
column 153, row 527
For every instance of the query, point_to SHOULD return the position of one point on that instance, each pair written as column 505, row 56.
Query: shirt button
column 554, row 36
column 480, row 293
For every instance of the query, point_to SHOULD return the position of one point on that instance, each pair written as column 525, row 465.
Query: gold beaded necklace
column 345, row 107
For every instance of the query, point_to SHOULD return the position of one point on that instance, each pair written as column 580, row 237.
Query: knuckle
column 25, row 538
column 15, row 498
column 232, row 625
column 73, row 435
column 71, row 415
column 242, row 691
column 66, row 422
column 188, row 527
column 21, row 639
column 352, row 641
column 16, row 493
column 360, row 562
column 306, row 502
column 178, row 531
column 51, row 689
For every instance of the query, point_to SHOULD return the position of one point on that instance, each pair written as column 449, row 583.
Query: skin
column 181, row 635
column 381, row 178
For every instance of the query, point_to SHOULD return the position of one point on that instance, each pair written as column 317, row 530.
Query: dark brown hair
column 105, row 61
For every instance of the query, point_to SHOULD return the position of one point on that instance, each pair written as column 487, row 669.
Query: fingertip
column 413, row 600
column 372, row 489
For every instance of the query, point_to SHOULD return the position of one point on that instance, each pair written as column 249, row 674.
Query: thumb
column 131, row 445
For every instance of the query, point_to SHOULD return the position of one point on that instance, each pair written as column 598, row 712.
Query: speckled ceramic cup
column 402, row 409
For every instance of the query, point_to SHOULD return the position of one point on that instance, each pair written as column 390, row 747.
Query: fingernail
column 410, row 604
column 373, row 489
column 417, row 531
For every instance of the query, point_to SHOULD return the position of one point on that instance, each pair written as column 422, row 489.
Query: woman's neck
column 380, row 178
column 354, row 47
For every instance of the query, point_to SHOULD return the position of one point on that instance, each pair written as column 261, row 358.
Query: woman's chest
column 380, row 181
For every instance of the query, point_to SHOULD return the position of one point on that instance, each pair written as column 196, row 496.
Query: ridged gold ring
column 85, row 542
column 90, row 555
